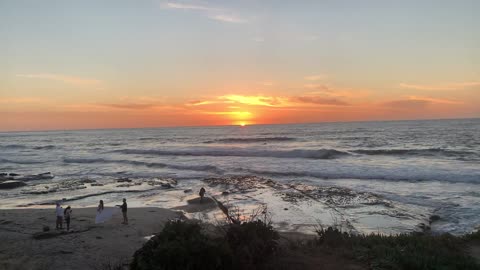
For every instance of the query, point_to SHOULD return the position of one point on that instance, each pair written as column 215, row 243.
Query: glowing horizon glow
column 91, row 64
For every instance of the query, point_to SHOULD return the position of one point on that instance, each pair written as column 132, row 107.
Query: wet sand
column 24, row 245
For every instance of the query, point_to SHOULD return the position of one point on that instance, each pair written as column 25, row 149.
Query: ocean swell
column 417, row 152
column 252, row 140
column 207, row 168
column 296, row 153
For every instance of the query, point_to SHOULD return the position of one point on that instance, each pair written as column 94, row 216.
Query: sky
column 126, row 64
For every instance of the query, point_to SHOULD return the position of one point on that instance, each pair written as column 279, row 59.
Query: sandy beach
column 24, row 245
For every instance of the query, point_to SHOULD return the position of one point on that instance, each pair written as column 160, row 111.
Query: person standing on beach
column 100, row 206
column 67, row 213
column 59, row 213
column 202, row 194
column 124, row 211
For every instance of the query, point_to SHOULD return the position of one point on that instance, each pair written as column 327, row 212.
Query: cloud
column 254, row 100
column 316, row 86
column 318, row 100
column 227, row 18
column 436, row 100
column 414, row 102
column 173, row 5
column 266, row 83
column 200, row 102
column 408, row 104
column 272, row 101
column 130, row 106
column 449, row 86
column 62, row 78
column 214, row 13
column 315, row 77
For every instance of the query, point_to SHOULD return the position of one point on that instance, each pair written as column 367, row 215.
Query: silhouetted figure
column 67, row 213
column 124, row 211
column 59, row 213
column 100, row 206
column 202, row 194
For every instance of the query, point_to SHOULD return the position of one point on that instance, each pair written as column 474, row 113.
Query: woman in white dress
column 103, row 214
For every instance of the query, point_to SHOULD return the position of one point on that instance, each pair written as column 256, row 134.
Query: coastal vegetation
column 254, row 244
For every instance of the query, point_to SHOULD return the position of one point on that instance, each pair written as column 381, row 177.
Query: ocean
column 387, row 177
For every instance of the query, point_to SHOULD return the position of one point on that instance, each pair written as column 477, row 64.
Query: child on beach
column 59, row 213
column 67, row 213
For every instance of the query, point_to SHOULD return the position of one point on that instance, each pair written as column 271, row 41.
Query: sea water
column 417, row 168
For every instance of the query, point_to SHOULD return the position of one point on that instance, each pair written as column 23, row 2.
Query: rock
column 122, row 180
column 285, row 209
column 13, row 174
column 225, row 193
column 98, row 237
column 87, row 181
column 96, row 185
column 434, row 218
column 166, row 185
column 46, row 228
column 187, row 190
column 11, row 184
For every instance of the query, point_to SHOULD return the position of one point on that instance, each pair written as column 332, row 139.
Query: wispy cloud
column 213, row 13
column 254, row 100
column 315, row 77
column 448, row 86
column 130, row 106
column 227, row 18
column 415, row 102
column 74, row 80
column 258, row 39
column 318, row 100
column 273, row 101
column 407, row 104
column 173, row 5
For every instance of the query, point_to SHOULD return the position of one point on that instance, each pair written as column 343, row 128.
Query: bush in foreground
column 183, row 245
column 405, row 251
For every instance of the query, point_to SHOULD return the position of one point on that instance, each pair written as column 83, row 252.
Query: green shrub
column 252, row 242
column 405, row 251
column 182, row 245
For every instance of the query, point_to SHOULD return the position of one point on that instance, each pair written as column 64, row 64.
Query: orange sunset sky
column 119, row 64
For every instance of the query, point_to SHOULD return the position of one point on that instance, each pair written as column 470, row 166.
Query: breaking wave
column 252, row 140
column 206, row 168
column 386, row 175
column 296, row 153
column 417, row 152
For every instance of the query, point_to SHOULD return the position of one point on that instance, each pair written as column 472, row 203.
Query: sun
column 242, row 124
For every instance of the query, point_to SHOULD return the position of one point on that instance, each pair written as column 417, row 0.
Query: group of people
column 63, row 214
column 102, row 214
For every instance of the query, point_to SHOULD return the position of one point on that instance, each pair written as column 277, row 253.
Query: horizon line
column 232, row 125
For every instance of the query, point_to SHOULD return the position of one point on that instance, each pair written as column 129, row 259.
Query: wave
column 252, row 140
column 44, row 147
column 416, row 152
column 4, row 160
column 21, row 146
column 203, row 168
column 371, row 175
column 13, row 146
column 296, row 153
